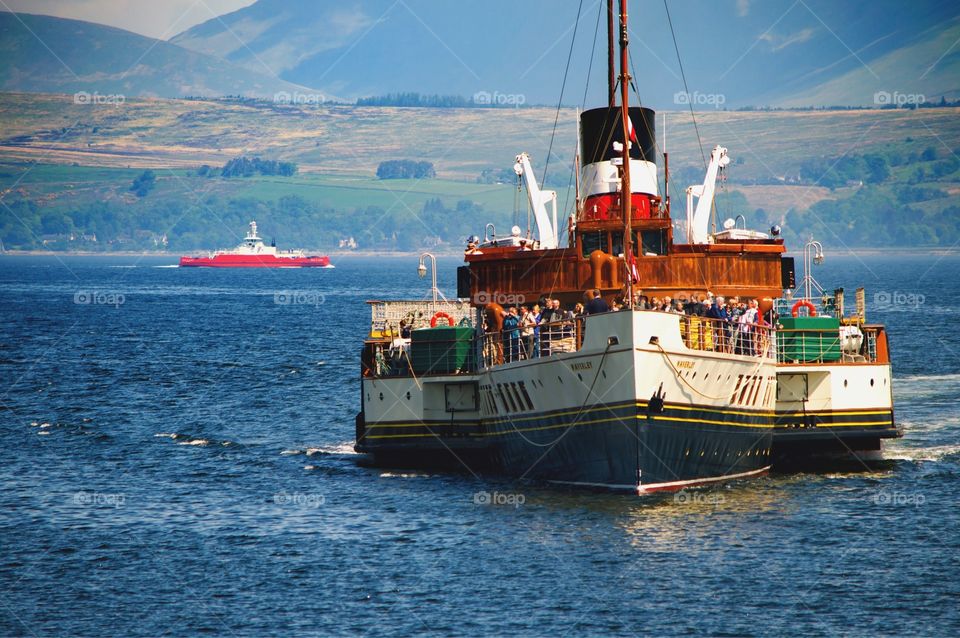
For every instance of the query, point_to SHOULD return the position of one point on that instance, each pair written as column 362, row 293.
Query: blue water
column 176, row 460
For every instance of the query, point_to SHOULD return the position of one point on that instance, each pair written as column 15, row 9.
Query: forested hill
column 190, row 174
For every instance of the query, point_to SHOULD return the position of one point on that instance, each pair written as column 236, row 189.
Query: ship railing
column 796, row 345
column 823, row 305
column 871, row 334
column 827, row 346
column 519, row 344
column 698, row 333
column 386, row 316
column 392, row 357
column 727, row 337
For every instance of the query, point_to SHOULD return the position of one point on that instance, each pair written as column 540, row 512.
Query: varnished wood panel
column 562, row 274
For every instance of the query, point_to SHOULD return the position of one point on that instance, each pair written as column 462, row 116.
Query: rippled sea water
column 176, row 459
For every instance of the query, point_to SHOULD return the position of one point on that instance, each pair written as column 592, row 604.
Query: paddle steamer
column 638, row 400
column 635, row 400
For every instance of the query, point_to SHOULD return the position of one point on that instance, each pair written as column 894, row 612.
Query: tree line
column 249, row 166
column 895, row 198
column 405, row 169
column 417, row 100
column 219, row 222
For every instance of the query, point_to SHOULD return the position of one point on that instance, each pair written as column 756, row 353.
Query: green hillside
column 857, row 178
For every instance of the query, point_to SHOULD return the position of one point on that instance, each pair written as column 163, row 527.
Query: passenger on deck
column 404, row 329
column 596, row 305
column 536, row 314
column 511, row 334
column 695, row 308
column 761, row 338
column 733, row 314
column 751, row 315
column 747, row 321
column 718, row 312
column 528, row 323
column 551, row 312
column 550, row 320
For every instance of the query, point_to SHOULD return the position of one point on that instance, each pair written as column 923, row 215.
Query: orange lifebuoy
column 803, row 303
column 433, row 321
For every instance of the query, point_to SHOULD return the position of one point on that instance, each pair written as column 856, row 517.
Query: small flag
column 631, row 132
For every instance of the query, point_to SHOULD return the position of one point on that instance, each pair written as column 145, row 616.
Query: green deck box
column 809, row 339
column 442, row 350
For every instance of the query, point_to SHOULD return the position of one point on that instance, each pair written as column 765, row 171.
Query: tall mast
column 611, row 65
column 626, row 193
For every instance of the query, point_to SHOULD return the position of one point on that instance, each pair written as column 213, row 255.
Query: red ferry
column 253, row 253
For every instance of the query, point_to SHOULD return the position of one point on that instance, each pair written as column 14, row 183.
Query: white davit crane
column 546, row 228
column 698, row 220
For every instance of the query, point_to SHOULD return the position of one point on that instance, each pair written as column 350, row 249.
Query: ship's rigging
column 614, row 83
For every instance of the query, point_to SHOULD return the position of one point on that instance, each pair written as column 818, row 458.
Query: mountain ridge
column 43, row 54
column 735, row 53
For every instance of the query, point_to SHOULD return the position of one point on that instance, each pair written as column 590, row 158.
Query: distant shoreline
column 132, row 253
column 841, row 252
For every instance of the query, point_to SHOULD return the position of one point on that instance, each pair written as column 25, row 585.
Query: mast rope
column 583, row 104
column 693, row 116
column 576, row 418
column 687, row 383
column 683, row 76
column 563, row 86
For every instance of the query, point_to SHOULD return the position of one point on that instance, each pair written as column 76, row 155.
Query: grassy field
column 67, row 185
column 62, row 156
column 346, row 192
column 345, row 140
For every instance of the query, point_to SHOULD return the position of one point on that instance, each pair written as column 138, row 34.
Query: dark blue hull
column 805, row 441
column 632, row 446
column 635, row 446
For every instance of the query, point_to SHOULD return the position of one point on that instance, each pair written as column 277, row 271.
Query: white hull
column 685, row 416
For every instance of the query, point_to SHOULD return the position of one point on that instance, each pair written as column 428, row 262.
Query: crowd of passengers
column 538, row 330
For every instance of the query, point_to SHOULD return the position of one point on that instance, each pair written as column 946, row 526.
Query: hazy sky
column 154, row 18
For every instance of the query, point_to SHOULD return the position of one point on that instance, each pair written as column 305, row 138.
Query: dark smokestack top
column 601, row 127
